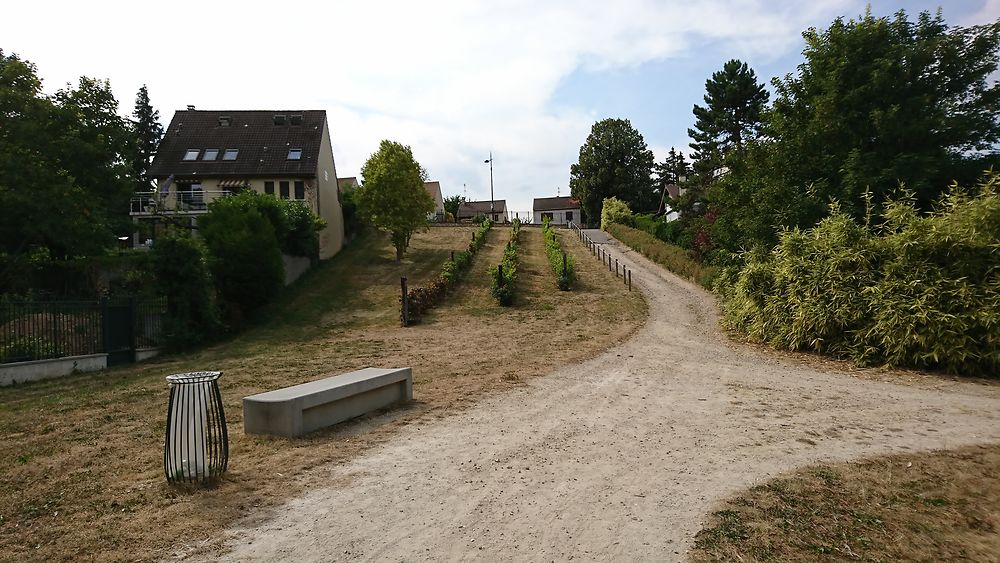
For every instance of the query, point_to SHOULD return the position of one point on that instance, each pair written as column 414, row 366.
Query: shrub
column 422, row 299
column 28, row 348
column 296, row 227
column 181, row 267
column 563, row 265
column 503, row 277
column 245, row 258
column 671, row 257
column 615, row 211
column 917, row 291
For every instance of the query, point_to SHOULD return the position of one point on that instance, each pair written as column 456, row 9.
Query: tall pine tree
column 734, row 101
column 148, row 131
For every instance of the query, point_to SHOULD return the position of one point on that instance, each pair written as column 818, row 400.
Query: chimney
column 190, row 107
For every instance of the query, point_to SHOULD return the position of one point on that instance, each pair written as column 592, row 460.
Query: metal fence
column 39, row 330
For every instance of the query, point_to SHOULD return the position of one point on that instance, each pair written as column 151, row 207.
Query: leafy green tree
column 734, row 102
column 878, row 102
column 245, row 256
column 148, row 131
column 95, row 147
column 613, row 162
column 884, row 101
column 392, row 196
column 180, row 265
column 451, row 204
column 43, row 202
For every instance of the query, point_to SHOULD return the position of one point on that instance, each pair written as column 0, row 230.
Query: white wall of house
column 559, row 216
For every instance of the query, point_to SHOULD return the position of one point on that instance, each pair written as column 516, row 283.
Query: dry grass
column 81, row 458
column 915, row 507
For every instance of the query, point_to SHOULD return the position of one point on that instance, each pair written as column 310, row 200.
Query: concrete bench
column 300, row 409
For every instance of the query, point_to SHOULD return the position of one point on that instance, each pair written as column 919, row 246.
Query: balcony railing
column 188, row 202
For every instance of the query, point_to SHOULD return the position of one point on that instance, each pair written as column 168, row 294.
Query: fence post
column 105, row 325
column 452, row 255
column 473, row 236
column 609, row 264
column 630, row 280
column 616, row 267
column 405, row 300
column 500, row 274
column 564, row 262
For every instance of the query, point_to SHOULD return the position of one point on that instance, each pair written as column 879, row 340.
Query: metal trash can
column 197, row 443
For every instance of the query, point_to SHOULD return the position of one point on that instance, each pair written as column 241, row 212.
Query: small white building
column 558, row 210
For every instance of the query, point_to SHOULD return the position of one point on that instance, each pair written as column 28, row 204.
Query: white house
column 558, row 210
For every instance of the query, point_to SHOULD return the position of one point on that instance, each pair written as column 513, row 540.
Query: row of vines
column 422, row 299
column 505, row 274
column 562, row 264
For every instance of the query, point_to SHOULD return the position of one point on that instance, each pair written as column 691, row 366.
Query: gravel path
column 621, row 457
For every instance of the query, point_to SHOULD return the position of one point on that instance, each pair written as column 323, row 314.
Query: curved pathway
column 620, row 457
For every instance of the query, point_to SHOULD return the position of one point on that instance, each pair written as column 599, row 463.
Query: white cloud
column 452, row 79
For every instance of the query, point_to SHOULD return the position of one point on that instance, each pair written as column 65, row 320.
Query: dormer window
column 294, row 154
column 296, row 119
column 192, row 154
column 279, row 120
column 230, row 154
column 210, row 154
column 225, row 121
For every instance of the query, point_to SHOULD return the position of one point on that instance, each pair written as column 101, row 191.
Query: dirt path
column 620, row 457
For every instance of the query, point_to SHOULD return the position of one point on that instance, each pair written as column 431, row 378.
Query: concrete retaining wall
column 38, row 370
column 295, row 266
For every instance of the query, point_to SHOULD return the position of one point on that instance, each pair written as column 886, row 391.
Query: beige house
column 206, row 155
column 434, row 188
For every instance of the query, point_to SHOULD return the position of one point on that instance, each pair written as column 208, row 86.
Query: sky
column 455, row 80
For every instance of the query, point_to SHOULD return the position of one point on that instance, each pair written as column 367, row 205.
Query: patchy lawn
column 81, row 473
column 934, row 506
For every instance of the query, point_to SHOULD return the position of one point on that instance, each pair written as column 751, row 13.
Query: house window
column 230, row 154
column 210, row 154
column 546, row 216
column 296, row 119
column 300, row 190
column 283, row 186
column 269, row 188
column 569, row 216
column 192, row 154
column 294, row 154
column 279, row 120
column 225, row 121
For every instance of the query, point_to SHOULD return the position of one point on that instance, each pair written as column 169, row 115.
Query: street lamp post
column 492, row 208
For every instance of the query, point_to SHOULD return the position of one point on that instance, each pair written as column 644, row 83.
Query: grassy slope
column 915, row 507
column 81, row 458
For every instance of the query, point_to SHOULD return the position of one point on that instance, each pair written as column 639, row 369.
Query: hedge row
column 422, row 299
column 673, row 258
column 916, row 291
column 562, row 264
column 503, row 277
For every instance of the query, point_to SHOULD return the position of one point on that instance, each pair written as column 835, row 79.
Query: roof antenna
column 557, row 190
column 465, row 192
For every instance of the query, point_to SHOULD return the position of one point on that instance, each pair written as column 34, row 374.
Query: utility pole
column 492, row 208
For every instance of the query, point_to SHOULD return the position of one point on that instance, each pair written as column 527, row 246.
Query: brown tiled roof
column 349, row 181
column 473, row 208
column 263, row 145
column 554, row 203
column 433, row 188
